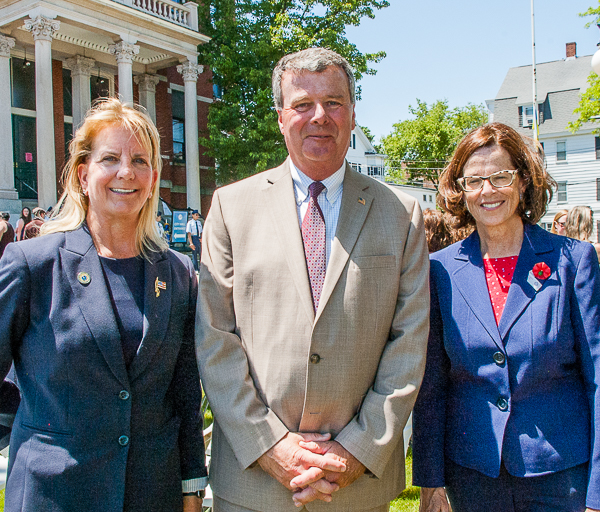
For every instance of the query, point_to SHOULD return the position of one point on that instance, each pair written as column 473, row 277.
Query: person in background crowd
column 559, row 223
column 167, row 228
column 457, row 233
column 580, row 225
column 32, row 229
column 98, row 318
column 508, row 416
column 159, row 225
column 436, row 229
column 194, row 237
column 22, row 222
column 7, row 233
column 312, row 314
column 48, row 214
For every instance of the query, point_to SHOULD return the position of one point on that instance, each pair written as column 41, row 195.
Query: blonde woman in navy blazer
column 107, row 421
column 508, row 413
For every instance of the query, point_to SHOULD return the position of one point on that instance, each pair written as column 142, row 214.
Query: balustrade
column 181, row 14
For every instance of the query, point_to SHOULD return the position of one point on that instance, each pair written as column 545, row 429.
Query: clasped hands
column 311, row 466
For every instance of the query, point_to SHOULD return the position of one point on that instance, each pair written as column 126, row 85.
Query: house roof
column 556, row 76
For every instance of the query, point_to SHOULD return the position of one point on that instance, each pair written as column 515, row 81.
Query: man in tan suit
column 312, row 315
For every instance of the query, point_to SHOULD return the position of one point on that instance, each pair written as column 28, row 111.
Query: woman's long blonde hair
column 580, row 223
column 72, row 208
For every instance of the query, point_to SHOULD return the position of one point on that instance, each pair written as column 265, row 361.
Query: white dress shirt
column 194, row 227
column 330, row 200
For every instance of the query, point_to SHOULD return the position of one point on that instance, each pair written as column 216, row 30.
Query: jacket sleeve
column 429, row 416
column 188, row 396
column 14, row 311
column 585, row 317
column 373, row 434
column 15, row 284
column 251, row 428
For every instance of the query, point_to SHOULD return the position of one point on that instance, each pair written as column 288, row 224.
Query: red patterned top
column 498, row 274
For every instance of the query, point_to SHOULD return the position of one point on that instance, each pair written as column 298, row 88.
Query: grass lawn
column 408, row 501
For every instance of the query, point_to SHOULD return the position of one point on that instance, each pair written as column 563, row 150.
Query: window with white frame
column 562, row 192
column 528, row 115
column 561, row 151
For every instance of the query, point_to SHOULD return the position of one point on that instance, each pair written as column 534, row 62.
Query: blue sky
column 459, row 51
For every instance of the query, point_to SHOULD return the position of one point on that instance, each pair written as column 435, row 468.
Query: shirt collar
column 333, row 184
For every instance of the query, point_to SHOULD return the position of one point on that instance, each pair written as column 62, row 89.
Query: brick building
column 57, row 56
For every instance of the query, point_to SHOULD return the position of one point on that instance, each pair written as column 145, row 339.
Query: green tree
column 589, row 103
column 371, row 138
column 248, row 38
column 419, row 148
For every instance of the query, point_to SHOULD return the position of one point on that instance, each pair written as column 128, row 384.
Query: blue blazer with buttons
column 525, row 391
column 91, row 434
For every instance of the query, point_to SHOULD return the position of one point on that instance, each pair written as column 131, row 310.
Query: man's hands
column 311, row 465
column 192, row 504
column 288, row 459
column 320, row 483
column 433, row 499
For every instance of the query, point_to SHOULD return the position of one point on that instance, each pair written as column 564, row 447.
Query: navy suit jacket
column 524, row 391
column 91, row 434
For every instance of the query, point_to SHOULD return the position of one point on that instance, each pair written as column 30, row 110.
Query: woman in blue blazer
column 98, row 318
column 508, row 412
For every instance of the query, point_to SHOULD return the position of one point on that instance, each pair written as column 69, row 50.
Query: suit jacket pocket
column 365, row 262
column 46, row 430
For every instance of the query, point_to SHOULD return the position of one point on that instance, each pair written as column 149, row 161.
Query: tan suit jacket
column 269, row 365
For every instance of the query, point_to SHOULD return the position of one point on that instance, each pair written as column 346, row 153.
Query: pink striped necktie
column 313, row 236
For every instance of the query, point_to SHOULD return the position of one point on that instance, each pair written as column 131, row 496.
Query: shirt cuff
column 194, row 484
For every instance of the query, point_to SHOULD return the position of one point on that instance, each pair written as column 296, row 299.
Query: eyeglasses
column 561, row 224
column 498, row 179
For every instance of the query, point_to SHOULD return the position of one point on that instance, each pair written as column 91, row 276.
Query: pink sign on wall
column 28, row 157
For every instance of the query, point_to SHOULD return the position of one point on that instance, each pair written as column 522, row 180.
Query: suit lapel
column 521, row 293
column 157, row 305
column 79, row 257
column 470, row 280
column 281, row 200
column 356, row 203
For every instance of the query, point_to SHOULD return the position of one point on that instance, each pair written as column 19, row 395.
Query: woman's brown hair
column 526, row 156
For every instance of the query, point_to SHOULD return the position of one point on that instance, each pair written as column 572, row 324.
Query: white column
column 124, row 53
column 43, row 30
column 190, row 71
column 147, row 87
column 81, row 69
column 7, row 173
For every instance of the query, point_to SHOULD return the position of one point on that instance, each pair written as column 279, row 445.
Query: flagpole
column 535, row 105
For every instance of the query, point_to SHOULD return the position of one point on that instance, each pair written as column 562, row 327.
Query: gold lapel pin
column 84, row 278
column 361, row 201
column 158, row 286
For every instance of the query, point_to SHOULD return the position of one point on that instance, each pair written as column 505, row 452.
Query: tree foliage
column 589, row 103
column 592, row 11
column 248, row 38
column 371, row 138
column 419, row 148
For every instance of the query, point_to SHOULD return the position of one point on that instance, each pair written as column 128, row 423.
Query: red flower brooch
column 541, row 271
